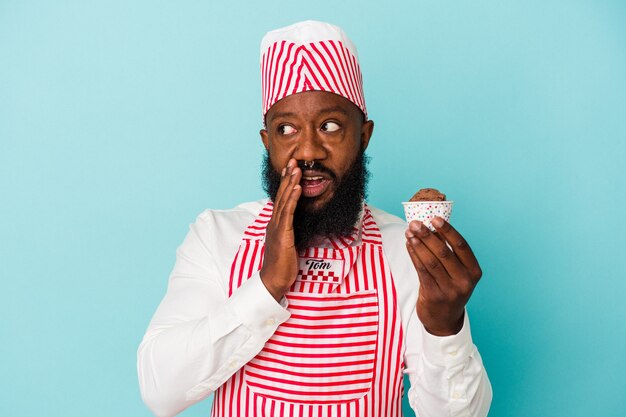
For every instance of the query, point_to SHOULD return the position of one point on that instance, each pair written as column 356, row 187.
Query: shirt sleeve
column 199, row 337
column 446, row 373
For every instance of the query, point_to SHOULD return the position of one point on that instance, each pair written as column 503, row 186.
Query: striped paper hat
column 309, row 56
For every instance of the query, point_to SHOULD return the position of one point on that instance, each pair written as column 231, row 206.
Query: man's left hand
column 447, row 276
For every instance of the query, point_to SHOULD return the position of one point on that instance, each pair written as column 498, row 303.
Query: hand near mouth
column 280, row 261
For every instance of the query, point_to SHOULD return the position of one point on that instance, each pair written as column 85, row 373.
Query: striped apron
column 340, row 352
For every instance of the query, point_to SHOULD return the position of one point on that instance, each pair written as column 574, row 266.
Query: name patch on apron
column 318, row 269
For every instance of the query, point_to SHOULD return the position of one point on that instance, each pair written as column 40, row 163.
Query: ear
column 264, row 139
column 366, row 133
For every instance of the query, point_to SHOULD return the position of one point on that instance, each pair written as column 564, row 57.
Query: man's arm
column 446, row 373
column 198, row 336
column 455, row 382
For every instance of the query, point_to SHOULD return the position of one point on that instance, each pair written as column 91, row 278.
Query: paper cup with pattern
column 425, row 211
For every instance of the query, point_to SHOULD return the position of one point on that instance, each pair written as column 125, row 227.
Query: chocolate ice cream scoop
column 428, row 194
column 427, row 204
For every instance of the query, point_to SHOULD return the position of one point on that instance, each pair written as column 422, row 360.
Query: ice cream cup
column 425, row 211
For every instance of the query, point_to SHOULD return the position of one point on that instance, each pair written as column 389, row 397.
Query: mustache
column 337, row 216
column 317, row 166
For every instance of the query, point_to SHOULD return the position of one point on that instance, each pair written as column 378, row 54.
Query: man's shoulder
column 219, row 231
column 242, row 212
column 231, row 221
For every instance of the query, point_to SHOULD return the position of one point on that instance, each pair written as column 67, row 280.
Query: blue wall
column 121, row 121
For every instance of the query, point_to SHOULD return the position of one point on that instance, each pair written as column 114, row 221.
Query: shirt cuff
column 257, row 309
column 448, row 351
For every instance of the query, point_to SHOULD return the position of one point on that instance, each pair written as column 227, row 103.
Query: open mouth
column 314, row 185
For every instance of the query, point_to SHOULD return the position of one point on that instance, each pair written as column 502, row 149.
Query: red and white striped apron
column 340, row 352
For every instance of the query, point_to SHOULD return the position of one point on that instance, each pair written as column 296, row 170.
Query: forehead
column 312, row 104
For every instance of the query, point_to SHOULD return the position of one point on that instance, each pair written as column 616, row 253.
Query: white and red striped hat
column 309, row 56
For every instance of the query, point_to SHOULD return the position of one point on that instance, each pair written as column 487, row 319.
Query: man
column 307, row 304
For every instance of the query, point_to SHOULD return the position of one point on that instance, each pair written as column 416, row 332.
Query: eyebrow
column 334, row 109
column 282, row 114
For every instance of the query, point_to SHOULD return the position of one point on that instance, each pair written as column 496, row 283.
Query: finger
column 439, row 236
column 460, row 247
column 286, row 220
column 291, row 201
column 426, row 280
column 431, row 264
column 284, row 188
column 291, row 179
column 284, row 179
column 443, row 255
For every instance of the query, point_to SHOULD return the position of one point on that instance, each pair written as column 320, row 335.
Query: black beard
column 338, row 216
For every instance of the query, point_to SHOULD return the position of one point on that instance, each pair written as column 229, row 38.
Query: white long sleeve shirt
column 199, row 337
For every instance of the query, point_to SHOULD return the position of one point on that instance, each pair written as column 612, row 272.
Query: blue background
column 121, row 121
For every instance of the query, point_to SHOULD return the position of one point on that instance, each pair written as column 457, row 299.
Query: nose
column 309, row 146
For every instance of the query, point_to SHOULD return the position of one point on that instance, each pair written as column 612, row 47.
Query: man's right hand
column 280, row 262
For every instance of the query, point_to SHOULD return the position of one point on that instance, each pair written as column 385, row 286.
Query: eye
column 330, row 127
column 286, row 130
